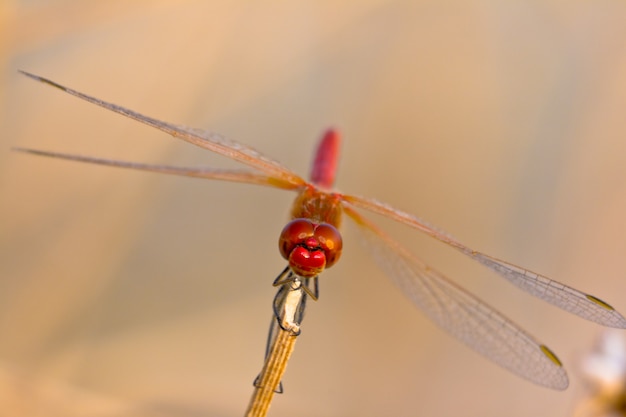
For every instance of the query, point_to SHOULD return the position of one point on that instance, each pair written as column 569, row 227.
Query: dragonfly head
column 310, row 247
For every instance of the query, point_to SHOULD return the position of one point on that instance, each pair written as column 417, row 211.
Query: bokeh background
column 135, row 294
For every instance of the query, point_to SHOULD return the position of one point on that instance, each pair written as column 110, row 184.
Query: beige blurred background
column 134, row 294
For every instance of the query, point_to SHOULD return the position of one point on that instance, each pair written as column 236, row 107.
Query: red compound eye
column 310, row 247
column 293, row 234
column 330, row 241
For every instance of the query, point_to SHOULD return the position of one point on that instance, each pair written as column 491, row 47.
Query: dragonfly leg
column 288, row 307
column 278, row 390
column 289, row 304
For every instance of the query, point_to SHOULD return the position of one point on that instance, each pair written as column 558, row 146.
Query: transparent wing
column 461, row 314
column 204, row 139
column 243, row 176
column 569, row 299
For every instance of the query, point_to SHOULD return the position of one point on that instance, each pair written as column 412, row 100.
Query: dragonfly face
column 310, row 247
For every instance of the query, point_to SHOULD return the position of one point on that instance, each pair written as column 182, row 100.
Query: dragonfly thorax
column 317, row 205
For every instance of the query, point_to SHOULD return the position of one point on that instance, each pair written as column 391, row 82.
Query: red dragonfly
column 311, row 243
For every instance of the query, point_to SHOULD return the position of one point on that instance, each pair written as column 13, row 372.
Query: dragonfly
column 311, row 243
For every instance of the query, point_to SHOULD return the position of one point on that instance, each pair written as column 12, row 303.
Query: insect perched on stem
column 311, row 243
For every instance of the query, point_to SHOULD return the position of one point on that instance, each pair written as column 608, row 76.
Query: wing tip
column 41, row 79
